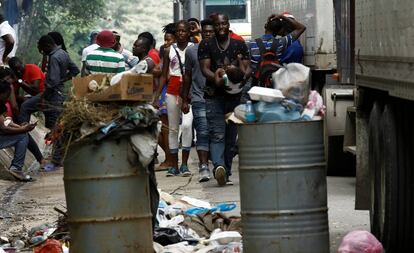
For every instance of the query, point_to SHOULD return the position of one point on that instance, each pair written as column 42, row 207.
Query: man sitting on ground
column 29, row 77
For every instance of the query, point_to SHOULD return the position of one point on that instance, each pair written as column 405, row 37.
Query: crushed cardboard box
column 130, row 88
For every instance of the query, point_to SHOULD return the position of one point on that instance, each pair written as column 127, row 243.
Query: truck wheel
column 374, row 163
column 406, row 176
column 388, row 213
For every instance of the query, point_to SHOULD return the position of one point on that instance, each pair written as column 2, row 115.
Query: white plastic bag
column 145, row 145
column 140, row 68
column 294, row 81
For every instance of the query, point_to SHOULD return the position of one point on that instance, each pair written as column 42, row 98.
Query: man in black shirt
column 216, row 55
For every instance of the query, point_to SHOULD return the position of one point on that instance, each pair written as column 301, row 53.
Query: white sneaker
column 204, row 173
column 220, row 175
column 19, row 174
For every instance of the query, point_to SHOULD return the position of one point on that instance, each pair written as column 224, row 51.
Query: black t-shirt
column 209, row 49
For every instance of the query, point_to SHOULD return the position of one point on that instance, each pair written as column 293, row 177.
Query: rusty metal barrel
column 108, row 201
column 283, row 187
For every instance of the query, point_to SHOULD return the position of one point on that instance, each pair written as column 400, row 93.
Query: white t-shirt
column 5, row 28
column 174, row 62
column 87, row 50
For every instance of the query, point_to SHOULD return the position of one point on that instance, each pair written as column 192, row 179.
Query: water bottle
column 250, row 116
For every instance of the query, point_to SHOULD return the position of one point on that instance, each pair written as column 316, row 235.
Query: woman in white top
column 173, row 70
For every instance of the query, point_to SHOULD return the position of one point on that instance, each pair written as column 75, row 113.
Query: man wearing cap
column 92, row 46
column 104, row 59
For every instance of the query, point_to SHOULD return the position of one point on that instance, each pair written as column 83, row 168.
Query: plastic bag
column 274, row 112
column 140, row 68
column 219, row 237
column 145, row 145
column 360, row 242
column 314, row 108
column 166, row 236
column 50, row 246
column 294, row 82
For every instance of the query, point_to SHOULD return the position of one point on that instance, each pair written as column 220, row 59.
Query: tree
column 72, row 18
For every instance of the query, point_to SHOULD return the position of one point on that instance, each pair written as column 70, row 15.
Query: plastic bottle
column 250, row 115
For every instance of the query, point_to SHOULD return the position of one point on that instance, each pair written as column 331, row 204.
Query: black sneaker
column 229, row 182
column 220, row 175
column 185, row 171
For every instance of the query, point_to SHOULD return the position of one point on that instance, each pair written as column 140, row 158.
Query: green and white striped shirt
column 105, row 61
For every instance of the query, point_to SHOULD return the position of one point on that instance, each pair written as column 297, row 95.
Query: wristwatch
column 20, row 81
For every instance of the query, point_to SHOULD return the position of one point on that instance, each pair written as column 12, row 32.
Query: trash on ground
column 224, row 237
column 196, row 202
column 224, row 207
column 50, row 246
column 193, row 225
column 360, row 241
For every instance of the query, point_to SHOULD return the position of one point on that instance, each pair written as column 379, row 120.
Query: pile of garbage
column 184, row 225
column 191, row 225
column 82, row 119
column 45, row 238
column 290, row 100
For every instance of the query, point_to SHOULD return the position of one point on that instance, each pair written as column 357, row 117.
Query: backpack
column 268, row 64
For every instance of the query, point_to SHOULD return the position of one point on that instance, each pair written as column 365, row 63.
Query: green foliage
column 74, row 19
column 132, row 17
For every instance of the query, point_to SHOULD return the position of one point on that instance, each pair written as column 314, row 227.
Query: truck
column 369, row 46
column 320, row 45
column 238, row 11
column 384, row 73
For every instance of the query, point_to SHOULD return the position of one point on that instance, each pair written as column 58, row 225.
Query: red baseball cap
column 105, row 39
column 288, row 15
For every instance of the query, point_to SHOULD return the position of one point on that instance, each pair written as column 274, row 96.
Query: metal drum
column 107, row 196
column 283, row 187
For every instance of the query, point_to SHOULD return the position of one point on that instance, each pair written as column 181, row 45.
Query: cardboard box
column 130, row 88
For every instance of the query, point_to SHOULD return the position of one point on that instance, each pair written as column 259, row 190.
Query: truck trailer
column 384, row 71
column 369, row 44
column 238, row 11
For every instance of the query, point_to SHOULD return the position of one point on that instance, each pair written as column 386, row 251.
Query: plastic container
column 250, row 115
column 265, row 94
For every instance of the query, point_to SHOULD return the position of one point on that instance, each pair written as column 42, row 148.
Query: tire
column 389, row 197
column 374, row 158
column 391, row 156
column 406, row 178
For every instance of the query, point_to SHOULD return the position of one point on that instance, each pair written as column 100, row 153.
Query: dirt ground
column 25, row 205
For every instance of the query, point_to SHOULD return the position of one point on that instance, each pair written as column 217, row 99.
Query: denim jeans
column 222, row 136
column 19, row 142
column 201, row 125
column 52, row 108
column 34, row 149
